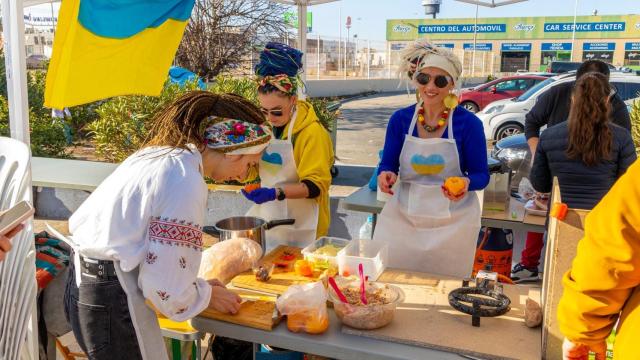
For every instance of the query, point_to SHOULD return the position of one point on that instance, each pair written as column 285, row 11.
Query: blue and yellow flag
column 106, row 48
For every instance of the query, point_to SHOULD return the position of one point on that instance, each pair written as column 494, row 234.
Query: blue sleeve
column 394, row 139
column 474, row 153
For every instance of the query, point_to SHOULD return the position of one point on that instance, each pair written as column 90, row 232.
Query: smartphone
column 15, row 216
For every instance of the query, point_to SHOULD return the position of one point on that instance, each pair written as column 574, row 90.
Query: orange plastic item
column 250, row 187
column 559, row 211
column 310, row 321
column 303, row 268
column 455, row 185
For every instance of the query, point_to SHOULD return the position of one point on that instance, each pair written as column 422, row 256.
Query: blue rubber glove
column 260, row 195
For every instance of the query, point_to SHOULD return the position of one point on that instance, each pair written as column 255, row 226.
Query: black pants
column 99, row 316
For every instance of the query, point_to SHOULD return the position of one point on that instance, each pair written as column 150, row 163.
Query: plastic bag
column 305, row 307
column 526, row 190
column 226, row 259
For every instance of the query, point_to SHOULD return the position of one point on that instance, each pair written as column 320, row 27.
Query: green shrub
column 47, row 136
column 121, row 127
column 635, row 124
column 244, row 87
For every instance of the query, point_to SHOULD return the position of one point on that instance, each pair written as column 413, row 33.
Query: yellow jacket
column 313, row 154
column 604, row 282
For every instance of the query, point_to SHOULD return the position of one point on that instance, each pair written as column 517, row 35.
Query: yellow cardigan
column 313, row 154
column 604, row 283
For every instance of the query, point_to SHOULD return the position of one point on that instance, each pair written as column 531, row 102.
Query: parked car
column 561, row 67
column 505, row 118
column 477, row 98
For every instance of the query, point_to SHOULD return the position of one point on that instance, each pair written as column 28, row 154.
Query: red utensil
column 335, row 287
column 363, row 296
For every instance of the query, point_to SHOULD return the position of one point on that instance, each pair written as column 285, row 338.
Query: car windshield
column 527, row 94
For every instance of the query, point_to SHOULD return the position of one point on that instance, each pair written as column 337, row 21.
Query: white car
column 504, row 118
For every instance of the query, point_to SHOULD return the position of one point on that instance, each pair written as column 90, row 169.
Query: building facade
column 508, row 45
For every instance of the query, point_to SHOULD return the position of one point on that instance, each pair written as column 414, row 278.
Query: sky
column 369, row 16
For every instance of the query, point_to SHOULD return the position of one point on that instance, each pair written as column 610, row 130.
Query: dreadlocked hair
column 184, row 120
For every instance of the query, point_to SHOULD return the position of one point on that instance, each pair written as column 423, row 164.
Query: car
column 560, row 67
column 477, row 98
column 505, row 118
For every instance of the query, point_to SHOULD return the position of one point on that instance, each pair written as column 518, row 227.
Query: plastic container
column 371, row 316
column 372, row 255
column 263, row 271
column 322, row 262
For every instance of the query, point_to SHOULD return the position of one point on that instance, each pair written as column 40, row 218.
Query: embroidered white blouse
column 149, row 213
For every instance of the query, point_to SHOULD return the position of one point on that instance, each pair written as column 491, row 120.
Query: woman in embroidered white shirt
column 138, row 236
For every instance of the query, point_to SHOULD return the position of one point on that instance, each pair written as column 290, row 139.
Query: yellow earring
column 450, row 101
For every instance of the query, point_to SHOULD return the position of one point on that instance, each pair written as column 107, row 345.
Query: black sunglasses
column 441, row 81
column 276, row 113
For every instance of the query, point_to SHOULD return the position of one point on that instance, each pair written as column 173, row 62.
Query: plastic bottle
column 366, row 228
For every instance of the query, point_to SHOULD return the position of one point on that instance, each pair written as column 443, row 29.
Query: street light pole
column 475, row 39
column 573, row 36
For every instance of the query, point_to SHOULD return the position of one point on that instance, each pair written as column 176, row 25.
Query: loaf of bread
column 226, row 259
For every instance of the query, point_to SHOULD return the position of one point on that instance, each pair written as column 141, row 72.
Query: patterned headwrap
column 282, row 82
column 237, row 137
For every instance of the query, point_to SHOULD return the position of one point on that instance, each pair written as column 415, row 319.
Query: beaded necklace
column 441, row 121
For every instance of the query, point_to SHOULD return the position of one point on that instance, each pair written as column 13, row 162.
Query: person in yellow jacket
column 295, row 169
column 603, row 285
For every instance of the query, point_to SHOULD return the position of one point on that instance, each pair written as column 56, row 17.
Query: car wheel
column 508, row 130
column 471, row 106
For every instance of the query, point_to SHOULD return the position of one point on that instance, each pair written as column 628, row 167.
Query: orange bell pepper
column 455, row 185
column 559, row 211
column 250, row 187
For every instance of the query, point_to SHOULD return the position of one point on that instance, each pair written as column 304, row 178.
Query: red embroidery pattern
column 175, row 232
column 183, row 262
column 163, row 295
column 151, row 257
column 180, row 311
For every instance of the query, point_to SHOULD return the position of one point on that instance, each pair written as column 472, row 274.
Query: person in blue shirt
column 428, row 226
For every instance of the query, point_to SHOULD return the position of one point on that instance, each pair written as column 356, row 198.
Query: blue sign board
column 398, row 47
column 632, row 46
column 446, row 45
column 479, row 46
column 516, row 47
column 599, row 46
column 556, row 46
column 588, row 26
column 461, row 28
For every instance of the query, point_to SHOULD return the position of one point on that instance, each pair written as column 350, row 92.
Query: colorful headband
column 281, row 82
column 237, row 137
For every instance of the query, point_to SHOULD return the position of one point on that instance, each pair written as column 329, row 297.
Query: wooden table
column 364, row 200
column 427, row 314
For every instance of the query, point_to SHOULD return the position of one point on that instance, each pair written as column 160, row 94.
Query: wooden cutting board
column 426, row 319
column 281, row 279
column 256, row 311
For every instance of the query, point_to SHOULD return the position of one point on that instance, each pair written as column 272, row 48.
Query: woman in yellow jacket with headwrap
column 603, row 286
column 295, row 168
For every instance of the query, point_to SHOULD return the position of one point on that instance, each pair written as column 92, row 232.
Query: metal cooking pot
column 249, row 227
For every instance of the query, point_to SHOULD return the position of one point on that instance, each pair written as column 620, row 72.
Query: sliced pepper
column 303, row 268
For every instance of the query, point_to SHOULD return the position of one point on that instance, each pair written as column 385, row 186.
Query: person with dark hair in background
column 552, row 108
column 588, row 153
column 137, row 239
column 295, row 169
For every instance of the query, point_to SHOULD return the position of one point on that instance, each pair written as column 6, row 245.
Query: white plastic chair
column 18, row 288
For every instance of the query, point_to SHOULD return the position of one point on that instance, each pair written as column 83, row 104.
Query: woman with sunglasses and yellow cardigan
column 295, row 168
column 437, row 153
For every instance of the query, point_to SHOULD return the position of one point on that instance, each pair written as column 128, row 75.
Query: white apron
column 144, row 319
column 278, row 167
column 425, row 231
